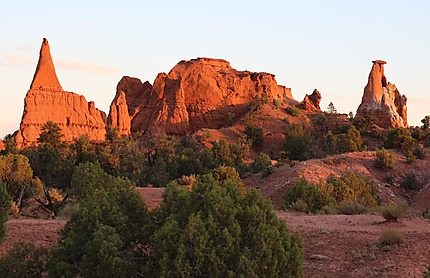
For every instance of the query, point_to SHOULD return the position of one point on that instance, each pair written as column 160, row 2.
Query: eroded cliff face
column 196, row 94
column 383, row 98
column 47, row 101
column 311, row 103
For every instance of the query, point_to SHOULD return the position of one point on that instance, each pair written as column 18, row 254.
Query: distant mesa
column 195, row 94
column 47, row 101
column 383, row 98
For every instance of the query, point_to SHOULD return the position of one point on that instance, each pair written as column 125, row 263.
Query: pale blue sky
column 327, row 45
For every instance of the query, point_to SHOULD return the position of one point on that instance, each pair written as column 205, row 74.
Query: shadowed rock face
column 47, row 101
column 311, row 103
column 195, row 94
column 383, row 98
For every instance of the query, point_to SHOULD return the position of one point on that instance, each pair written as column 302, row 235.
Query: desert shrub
column 410, row 157
column 384, row 159
column 300, row 206
column 390, row 237
column 351, row 208
column 366, row 124
column 410, row 181
column 107, row 235
column 330, row 209
column 24, row 260
column 399, row 138
column 230, row 118
column 389, row 178
column 260, row 163
column 221, row 231
column 351, row 187
column 300, row 143
column 269, row 170
column 293, row 111
column 419, row 151
column 255, row 134
column 307, row 193
column 392, row 212
column 68, row 209
column 5, row 208
column 350, row 141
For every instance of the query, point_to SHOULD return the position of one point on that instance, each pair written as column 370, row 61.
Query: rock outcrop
column 195, row 94
column 311, row 103
column 129, row 99
column 383, row 99
column 47, row 101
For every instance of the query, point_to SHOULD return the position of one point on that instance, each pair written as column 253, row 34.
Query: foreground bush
column 24, row 260
column 392, row 212
column 305, row 197
column 219, row 229
column 5, row 207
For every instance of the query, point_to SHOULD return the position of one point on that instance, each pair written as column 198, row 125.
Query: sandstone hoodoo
column 47, row 101
column 383, row 99
column 195, row 94
column 311, row 103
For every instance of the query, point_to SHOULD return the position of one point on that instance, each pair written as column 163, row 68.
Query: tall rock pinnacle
column 45, row 75
column 383, row 99
column 47, row 101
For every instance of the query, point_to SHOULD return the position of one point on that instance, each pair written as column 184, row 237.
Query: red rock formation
column 383, row 98
column 311, row 103
column 196, row 94
column 2, row 145
column 47, row 101
column 130, row 94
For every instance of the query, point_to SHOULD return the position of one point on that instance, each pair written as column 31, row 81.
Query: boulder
column 47, row 101
column 383, row 99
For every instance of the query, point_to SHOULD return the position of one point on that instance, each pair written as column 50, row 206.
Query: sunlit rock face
column 383, row 98
column 47, row 101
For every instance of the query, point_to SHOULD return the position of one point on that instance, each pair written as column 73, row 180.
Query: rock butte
column 383, row 98
column 47, row 101
column 195, row 94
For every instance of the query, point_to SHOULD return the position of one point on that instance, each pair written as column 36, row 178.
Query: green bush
column 260, row 163
column 221, row 231
column 5, row 206
column 390, row 237
column 293, row 111
column 392, row 212
column 24, row 260
column 410, row 181
column 304, row 192
column 419, row 151
column 351, row 208
column 399, row 138
column 299, row 143
column 350, row 141
column 410, row 157
column 384, row 159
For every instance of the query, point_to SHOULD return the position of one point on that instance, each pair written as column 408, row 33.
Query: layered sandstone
column 47, row 101
column 383, row 99
column 311, row 103
column 199, row 93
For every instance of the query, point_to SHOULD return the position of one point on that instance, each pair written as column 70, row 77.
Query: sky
column 328, row 45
